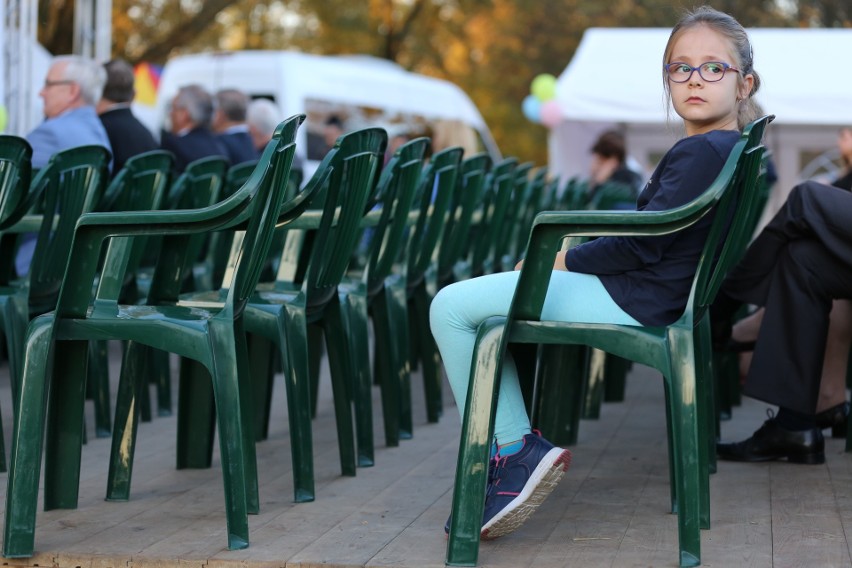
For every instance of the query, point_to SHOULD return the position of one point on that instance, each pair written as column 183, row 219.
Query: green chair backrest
column 550, row 199
column 141, row 184
column 574, row 196
column 15, row 173
column 397, row 186
column 346, row 180
column 236, row 176
column 467, row 194
column 437, row 187
column 219, row 248
column 732, row 224
column 731, row 198
column 498, row 191
column 508, row 222
column 255, row 208
column 530, row 205
column 612, row 195
column 70, row 185
column 200, row 185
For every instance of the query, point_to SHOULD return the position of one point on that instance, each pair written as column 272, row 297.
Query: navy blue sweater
column 650, row 277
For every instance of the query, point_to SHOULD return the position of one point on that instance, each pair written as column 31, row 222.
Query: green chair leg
column 339, row 361
column 298, row 385
column 196, row 416
column 615, row 378
column 561, row 373
column 64, row 442
column 386, row 376
column 595, row 384
column 161, row 375
column 131, row 386
column 261, row 360
column 425, row 345
column 26, row 452
column 98, row 386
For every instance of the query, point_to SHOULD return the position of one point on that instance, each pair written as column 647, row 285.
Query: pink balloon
column 550, row 114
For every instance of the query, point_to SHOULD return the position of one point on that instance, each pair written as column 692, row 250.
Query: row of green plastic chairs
column 147, row 271
column 477, row 224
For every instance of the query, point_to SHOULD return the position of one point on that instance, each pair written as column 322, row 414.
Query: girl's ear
column 746, row 86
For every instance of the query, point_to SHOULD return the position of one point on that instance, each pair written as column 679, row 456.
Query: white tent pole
column 103, row 30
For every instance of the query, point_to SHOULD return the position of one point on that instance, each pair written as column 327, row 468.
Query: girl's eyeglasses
column 711, row 71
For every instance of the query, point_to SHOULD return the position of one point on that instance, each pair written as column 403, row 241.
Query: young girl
column 709, row 77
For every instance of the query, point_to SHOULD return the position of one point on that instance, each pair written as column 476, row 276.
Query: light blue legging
column 458, row 309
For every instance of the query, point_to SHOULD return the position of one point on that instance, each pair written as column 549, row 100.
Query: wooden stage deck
column 611, row 509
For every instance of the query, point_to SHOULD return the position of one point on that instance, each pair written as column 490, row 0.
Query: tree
column 490, row 48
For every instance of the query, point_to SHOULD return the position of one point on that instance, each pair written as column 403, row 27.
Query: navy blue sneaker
column 522, row 481
column 519, row 483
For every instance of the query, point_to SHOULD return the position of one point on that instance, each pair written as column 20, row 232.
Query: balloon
column 543, row 87
column 3, row 118
column 531, row 107
column 551, row 114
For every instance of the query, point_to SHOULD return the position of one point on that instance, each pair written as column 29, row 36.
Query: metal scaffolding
column 18, row 19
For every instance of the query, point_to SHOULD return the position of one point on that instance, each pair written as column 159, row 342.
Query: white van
column 360, row 90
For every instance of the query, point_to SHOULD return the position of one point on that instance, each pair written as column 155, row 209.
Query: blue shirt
column 650, row 277
column 76, row 127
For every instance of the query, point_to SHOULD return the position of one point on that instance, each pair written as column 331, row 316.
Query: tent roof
column 353, row 79
column 616, row 76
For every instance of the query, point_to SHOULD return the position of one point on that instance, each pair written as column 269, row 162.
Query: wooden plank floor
column 611, row 509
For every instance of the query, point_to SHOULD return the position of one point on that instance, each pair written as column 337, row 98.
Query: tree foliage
column 490, row 48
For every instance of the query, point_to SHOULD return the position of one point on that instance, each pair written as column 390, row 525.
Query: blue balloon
column 531, row 107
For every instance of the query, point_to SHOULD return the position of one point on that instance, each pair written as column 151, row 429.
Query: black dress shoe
column 772, row 442
column 835, row 418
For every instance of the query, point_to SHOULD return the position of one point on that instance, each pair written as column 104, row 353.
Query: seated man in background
column 190, row 137
column 262, row 118
column 229, row 123
column 72, row 87
column 127, row 136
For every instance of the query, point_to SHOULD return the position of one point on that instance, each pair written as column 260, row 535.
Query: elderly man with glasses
column 71, row 89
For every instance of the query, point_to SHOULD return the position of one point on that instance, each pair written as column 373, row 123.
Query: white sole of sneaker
column 543, row 480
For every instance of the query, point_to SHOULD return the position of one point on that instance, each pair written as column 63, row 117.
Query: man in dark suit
column 229, row 123
column 127, row 136
column 796, row 267
column 190, row 137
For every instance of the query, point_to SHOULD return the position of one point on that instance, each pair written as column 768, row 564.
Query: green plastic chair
column 574, row 196
column 367, row 295
column 297, row 309
column 15, row 172
column 425, row 277
column 212, row 333
column 200, row 185
column 141, row 185
column 411, row 291
column 466, row 197
column 681, row 351
column 530, row 204
column 71, row 184
column 209, row 273
column 495, row 200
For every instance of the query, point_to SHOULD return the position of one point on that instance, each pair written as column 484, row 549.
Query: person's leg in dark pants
column 797, row 292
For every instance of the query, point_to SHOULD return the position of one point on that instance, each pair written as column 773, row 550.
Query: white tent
column 615, row 78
